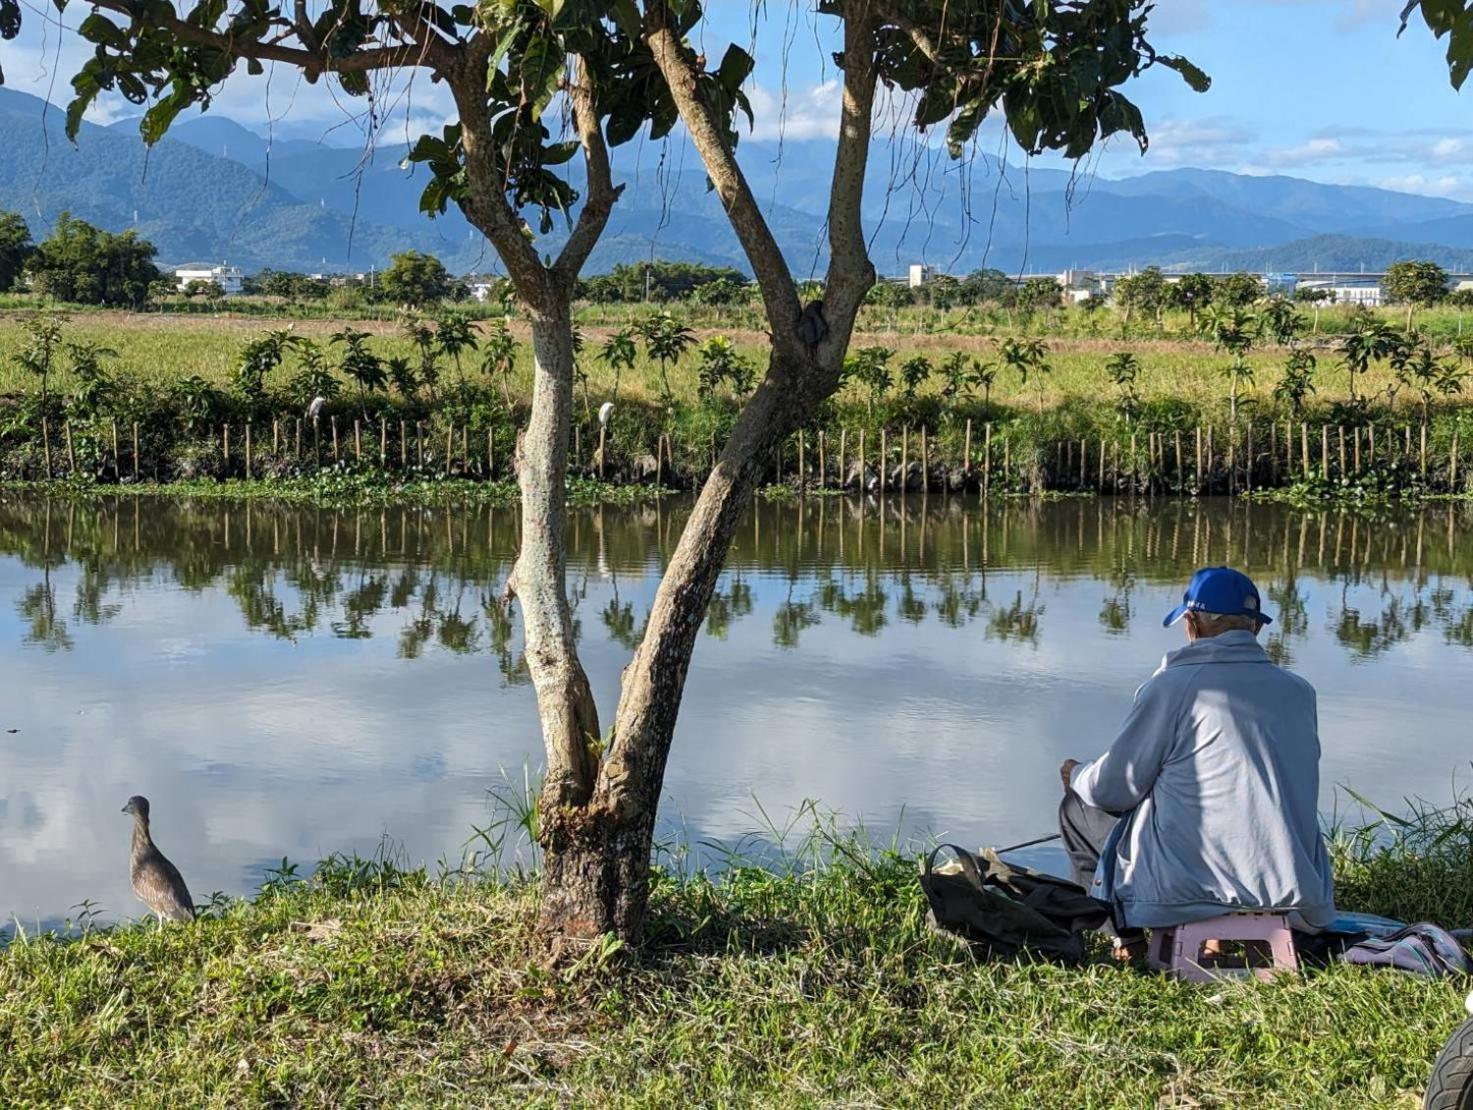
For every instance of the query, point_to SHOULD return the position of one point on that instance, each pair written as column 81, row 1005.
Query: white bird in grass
column 605, row 411
column 315, row 408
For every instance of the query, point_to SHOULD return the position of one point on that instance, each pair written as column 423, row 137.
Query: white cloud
column 807, row 113
column 1445, row 186
column 1307, row 153
column 1213, row 141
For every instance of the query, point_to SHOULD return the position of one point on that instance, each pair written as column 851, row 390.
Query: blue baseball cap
column 1221, row 590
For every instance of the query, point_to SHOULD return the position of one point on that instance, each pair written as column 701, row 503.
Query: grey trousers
column 1084, row 829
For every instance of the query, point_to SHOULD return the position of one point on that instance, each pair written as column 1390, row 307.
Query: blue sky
column 1321, row 89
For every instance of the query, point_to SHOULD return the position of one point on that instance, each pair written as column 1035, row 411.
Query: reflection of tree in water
column 727, row 607
column 1291, row 619
column 1456, row 620
column 1398, row 621
column 292, row 573
column 790, row 621
column 91, row 605
column 361, row 605
column 457, row 634
column 44, row 627
column 419, row 630
column 501, row 632
column 1116, row 612
column 253, row 588
column 1018, row 623
column 910, row 607
column 865, row 610
column 957, row 600
column 1458, row 627
column 618, row 618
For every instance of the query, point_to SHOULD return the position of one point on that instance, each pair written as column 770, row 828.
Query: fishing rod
column 1031, row 843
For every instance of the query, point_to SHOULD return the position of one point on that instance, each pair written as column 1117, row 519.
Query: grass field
column 817, row 983
column 159, row 349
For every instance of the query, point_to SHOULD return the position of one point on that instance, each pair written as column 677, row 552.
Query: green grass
column 157, row 349
column 813, row 983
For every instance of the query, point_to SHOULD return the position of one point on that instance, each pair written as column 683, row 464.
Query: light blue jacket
column 1216, row 775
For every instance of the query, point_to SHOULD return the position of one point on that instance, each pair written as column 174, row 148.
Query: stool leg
column 1285, row 958
column 1159, row 948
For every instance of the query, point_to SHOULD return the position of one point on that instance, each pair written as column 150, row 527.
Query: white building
column 920, row 274
column 228, row 278
column 1080, row 285
column 1348, row 290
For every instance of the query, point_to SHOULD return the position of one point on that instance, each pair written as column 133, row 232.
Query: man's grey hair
column 1224, row 623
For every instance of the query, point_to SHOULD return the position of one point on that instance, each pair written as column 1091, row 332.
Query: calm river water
column 294, row 682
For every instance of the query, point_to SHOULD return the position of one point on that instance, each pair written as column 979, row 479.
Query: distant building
column 1080, row 285
column 1347, row 289
column 921, row 274
column 228, row 278
column 1280, row 284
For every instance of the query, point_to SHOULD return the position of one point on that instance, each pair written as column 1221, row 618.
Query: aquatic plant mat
column 817, row 983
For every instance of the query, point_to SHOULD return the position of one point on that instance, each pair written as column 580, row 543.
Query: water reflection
column 298, row 681
column 293, row 573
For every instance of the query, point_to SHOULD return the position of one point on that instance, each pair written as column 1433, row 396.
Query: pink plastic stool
column 1178, row 951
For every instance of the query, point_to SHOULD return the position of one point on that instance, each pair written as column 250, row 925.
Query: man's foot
column 1129, row 952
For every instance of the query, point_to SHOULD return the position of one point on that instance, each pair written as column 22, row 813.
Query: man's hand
column 1066, row 771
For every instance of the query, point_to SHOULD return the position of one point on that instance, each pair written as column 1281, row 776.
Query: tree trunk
column 596, row 870
column 564, row 699
column 597, row 848
column 596, row 877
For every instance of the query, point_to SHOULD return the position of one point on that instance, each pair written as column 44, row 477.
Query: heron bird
column 315, row 408
column 605, row 411
column 156, row 882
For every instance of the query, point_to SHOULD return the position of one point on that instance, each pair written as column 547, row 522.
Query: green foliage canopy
column 415, row 278
column 86, row 265
column 15, row 248
column 1415, row 283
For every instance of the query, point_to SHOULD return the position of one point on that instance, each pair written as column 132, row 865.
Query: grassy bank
column 185, row 399
column 815, row 983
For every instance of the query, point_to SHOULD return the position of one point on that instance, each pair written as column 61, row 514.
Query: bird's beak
column 127, row 809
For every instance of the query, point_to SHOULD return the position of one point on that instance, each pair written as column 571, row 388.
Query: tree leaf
column 156, row 120
column 623, row 125
column 559, row 153
column 1196, row 80
column 736, row 67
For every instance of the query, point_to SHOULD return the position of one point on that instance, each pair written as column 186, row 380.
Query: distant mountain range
column 216, row 190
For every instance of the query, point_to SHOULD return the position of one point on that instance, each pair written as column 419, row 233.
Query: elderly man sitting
column 1207, row 800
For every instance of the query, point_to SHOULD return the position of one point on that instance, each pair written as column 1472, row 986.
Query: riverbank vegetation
column 814, row 978
column 1252, row 404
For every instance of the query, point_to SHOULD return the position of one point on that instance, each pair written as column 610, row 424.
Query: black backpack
column 1003, row 909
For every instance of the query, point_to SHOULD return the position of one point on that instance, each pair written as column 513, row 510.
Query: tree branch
column 484, row 201
column 915, row 33
column 430, row 51
column 774, row 278
column 601, row 194
column 851, row 273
